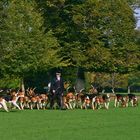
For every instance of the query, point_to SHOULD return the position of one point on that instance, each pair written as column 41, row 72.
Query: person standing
column 56, row 91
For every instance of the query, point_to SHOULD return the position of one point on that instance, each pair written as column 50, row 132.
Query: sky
column 137, row 14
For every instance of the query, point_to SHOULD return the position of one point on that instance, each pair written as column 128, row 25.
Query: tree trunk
column 22, row 85
column 128, row 90
column 80, row 81
column 113, row 82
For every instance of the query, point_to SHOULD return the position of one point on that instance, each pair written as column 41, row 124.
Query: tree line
column 39, row 36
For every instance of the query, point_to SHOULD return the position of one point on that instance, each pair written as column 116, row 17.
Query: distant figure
column 56, row 91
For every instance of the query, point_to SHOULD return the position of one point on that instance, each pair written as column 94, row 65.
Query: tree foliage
column 25, row 45
column 92, row 35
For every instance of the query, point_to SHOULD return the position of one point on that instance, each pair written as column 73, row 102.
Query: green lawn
column 112, row 124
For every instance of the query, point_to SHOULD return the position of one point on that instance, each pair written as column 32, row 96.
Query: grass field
column 112, row 124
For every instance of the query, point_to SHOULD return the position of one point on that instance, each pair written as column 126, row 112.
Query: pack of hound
column 23, row 100
column 30, row 100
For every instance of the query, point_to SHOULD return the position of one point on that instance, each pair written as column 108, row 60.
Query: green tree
column 25, row 45
column 93, row 33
